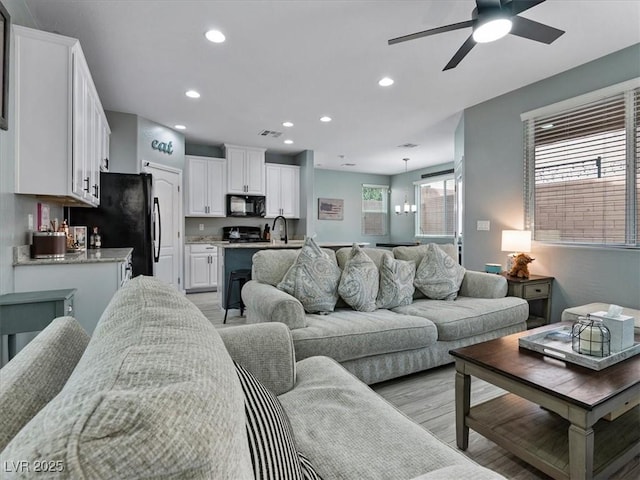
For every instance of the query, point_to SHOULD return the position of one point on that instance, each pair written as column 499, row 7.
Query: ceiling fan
column 491, row 20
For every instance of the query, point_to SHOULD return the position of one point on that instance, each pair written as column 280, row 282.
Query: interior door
column 167, row 185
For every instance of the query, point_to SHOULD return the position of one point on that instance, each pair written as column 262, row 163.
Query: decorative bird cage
column 590, row 337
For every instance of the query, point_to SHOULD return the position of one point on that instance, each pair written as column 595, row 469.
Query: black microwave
column 246, row 206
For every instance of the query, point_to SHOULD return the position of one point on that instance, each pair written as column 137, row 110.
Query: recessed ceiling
column 300, row 60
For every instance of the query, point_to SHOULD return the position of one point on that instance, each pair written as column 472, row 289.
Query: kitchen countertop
column 21, row 256
column 216, row 241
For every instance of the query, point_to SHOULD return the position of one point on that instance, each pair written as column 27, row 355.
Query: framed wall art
column 5, row 36
column 330, row 209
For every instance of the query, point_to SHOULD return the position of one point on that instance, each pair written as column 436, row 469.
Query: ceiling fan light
column 492, row 30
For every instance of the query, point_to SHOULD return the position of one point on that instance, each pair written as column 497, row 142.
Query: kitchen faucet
column 286, row 233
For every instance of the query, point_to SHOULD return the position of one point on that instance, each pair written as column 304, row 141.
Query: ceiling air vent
column 408, row 145
column 270, row 133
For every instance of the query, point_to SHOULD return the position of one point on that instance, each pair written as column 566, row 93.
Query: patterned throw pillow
column 396, row 282
column 273, row 453
column 439, row 276
column 359, row 281
column 313, row 279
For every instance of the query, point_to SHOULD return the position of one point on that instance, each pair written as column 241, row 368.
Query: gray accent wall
column 131, row 139
column 347, row 186
column 493, row 166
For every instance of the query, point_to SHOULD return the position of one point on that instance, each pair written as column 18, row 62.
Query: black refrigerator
column 128, row 216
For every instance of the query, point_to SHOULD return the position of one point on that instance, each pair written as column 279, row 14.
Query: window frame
column 630, row 90
column 385, row 211
column 449, row 175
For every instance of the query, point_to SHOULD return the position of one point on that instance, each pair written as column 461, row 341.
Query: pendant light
column 407, row 207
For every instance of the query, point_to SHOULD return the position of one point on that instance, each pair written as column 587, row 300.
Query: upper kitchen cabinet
column 205, row 186
column 62, row 134
column 245, row 170
column 283, row 190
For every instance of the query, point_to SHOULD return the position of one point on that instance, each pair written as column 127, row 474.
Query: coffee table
column 553, row 416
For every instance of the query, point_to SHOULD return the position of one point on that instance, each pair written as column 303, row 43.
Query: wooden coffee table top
column 573, row 383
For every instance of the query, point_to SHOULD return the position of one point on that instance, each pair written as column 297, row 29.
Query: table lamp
column 515, row 241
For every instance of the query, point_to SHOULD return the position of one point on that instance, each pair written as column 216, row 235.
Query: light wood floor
column 428, row 399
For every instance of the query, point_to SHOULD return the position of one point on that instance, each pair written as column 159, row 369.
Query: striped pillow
column 273, row 452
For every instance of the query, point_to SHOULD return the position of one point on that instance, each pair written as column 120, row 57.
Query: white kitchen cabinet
column 245, row 170
column 283, row 190
column 201, row 264
column 60, row 126
column 205, row 186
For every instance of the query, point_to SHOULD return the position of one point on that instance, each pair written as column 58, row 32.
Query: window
column 436, row 214
column 582, row 180
column 375, row 200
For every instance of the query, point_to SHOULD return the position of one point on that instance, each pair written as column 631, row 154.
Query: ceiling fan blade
column 461, row 53
column 519, row 6
column 523, row 27
column 433, row 31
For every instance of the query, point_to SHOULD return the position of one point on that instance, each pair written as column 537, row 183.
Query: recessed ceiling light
column 325, row 119
column 385, row 82
column 288, row 142
column 215, row 36
column 179, row 127
column 192, row 94
column 287, row 124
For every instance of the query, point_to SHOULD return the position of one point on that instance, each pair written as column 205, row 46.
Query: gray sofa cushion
column 155, row 395
column 37, row 373
column 346, row 334
column 466, row 317
column 349, row 432
column 359, row 281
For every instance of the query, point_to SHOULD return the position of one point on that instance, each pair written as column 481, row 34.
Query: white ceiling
column 299, row 60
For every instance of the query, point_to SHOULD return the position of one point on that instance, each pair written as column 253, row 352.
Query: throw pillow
column 308, row 471
column 273, row 453
column 439, row 276
column 396, row 282
column 359, row 281
column 313, row 279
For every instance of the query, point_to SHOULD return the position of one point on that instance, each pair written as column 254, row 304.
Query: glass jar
column 590, row 337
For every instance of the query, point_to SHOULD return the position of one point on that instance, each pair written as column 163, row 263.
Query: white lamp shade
column 516, row 240
column 398, row 209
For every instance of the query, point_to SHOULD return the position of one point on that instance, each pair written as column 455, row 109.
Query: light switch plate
column 201, row 227
column 484, row 225
column 30, row 222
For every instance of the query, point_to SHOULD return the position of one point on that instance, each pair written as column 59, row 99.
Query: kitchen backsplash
column 213, row 226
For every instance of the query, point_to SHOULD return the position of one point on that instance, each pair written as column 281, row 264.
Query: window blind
column 436, row 206
column 581, row 172
column 375, row 209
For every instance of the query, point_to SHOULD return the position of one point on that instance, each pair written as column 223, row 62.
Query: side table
column 32, row 312
column 537, row 291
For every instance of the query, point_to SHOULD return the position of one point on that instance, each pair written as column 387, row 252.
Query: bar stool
column 241, row 277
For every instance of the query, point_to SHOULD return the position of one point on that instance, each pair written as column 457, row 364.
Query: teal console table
column 32, row 312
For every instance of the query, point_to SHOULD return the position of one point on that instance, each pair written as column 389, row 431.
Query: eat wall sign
column 162, row 146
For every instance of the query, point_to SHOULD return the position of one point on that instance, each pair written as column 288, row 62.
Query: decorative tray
column 556, row 343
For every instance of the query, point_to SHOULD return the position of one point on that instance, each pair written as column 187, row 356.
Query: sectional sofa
column 385, row 343
column 155, row 394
